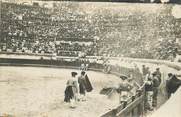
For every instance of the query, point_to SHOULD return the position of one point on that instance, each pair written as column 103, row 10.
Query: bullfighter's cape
column 107, row 91
column 68, row 94
column 88, row 84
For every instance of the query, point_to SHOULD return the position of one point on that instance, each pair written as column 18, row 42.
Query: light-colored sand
column 38, row 92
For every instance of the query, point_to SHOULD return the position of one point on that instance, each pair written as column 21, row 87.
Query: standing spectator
column 172, row 84
column 86, row 66
column 149, row 92
column 156, row 84
column 148, row 73
column 82, row 67
column 144, row 72
column 158, row 74
column 147, row 70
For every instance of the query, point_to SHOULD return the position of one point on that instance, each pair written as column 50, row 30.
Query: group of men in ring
column 76, row 88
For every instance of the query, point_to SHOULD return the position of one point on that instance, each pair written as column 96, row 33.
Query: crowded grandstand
column 66, row 30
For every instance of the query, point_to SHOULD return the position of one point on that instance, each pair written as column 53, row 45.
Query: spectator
column 124, row 89
column 32, row 29
column 156, row 84
column 149, row 93
column 134, row 84
column 172, row 84
column 158, row 75
column 144, row 72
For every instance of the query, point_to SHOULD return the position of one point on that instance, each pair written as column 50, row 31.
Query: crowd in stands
column 31, row 29
column 35, row 29
column 167, row 49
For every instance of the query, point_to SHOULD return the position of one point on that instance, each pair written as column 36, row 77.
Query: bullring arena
column 131, row 53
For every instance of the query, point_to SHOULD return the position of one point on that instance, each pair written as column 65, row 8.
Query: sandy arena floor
column 39, row 92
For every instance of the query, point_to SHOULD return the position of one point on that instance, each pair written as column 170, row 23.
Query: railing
column 132, row 107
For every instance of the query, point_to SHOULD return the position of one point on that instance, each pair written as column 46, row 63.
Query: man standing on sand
column 82, row 89
column 71, row 91
column 84, row 85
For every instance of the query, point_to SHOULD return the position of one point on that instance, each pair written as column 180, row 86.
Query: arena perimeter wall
column 95, row 63
column 66, row 62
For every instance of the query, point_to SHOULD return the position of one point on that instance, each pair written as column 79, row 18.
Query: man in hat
column 149, row 92
column 158, row 74
column 156, row 84
column 84, row 85
column 124, row 88
column 71, row 91
column 144, row 72
column 134, row 85
column 172, row 84
column 82, row 89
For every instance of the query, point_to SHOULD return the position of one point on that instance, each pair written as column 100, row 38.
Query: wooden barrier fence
column 132, row 107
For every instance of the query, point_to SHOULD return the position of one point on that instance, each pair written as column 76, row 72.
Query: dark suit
column 172, row 85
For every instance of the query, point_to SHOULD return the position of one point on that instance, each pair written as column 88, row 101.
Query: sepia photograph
column 90, row 58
